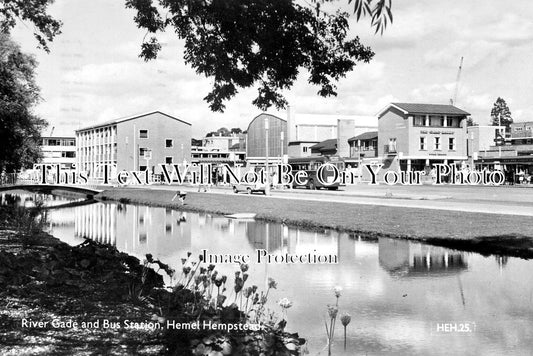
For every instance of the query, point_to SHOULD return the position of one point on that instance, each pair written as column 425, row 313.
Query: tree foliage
column 19, row 127
column 45, row 27
column 244, row 43
column 501, row 114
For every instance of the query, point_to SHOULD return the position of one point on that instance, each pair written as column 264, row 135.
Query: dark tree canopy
column 470, row 122
column 45, row 27
column 500, row 113
column 19, row 127
column 244, row 43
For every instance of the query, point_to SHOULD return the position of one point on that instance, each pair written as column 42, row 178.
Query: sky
column 93, row 72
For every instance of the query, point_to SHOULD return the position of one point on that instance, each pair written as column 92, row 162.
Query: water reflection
column 404, row 259
column 395, row 290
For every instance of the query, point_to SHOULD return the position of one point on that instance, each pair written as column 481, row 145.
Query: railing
column 390, row 149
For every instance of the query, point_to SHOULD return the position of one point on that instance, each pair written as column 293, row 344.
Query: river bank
column 91, row 299
column 478, row 232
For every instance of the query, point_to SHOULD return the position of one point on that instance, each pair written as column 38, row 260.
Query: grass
column 485, row 233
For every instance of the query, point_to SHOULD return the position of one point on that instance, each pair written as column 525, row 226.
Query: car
column 249, row 188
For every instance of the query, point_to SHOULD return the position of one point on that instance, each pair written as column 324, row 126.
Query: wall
column 160, row 127
column 392, row 124
column 256, row 136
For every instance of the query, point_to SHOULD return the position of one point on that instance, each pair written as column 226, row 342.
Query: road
column 511, row 200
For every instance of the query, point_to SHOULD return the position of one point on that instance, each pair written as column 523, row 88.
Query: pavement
column 507, row 200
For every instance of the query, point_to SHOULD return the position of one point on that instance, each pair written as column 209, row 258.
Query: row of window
column 436, row 121
column 58, row 142
column 437, row 143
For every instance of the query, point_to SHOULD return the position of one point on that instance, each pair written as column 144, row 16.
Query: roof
column 294, row 143
column 326, row 145
column 414, row 108
column 238, row 145
column 364, row 136
column 264, row 115
column 127, row 118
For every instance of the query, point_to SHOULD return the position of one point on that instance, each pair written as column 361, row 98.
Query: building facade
column 416, row 136
column 59, row 150
column 133, row 143
column 266, row 127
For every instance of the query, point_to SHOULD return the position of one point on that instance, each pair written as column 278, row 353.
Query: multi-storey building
column 59, row 150
column 416, row 136
column 133, row 143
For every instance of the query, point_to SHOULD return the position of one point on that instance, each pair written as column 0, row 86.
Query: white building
column 59, row 150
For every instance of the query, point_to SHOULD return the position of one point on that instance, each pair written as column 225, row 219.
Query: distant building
column 415, row 136
column 325, row 148
column 256, row 137
column 364, row 145
column 300, row 148
column 482, row 140
column 223, row 143
column 134, row 143
column 216, row 156
column 59, row 150
column 320, row 127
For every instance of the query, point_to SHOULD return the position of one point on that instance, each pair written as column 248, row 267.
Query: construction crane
column 52, row 131
column 454, row 100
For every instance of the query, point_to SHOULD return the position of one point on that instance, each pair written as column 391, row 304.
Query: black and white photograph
column 266, row 177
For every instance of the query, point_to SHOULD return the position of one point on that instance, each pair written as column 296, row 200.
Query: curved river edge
column 93, row 299
column 487, row 234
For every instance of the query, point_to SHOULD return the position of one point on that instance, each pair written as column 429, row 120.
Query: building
column 416, row 136
column 482, row 141
column 325, row 148
column 216, row 156
column 223, row 143
column 306, row 130
column 364, row 145
column 59, row 150
column 320, row 127
column 221, row 150
column 262, row 127
column 514, row 155
column 133, row 143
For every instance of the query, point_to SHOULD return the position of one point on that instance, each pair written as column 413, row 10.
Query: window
column 418, row 120
column 143, row 168
column 451, row 144
column 168, row 160
column 422, row 143
column 142, row 150
column 449, row 122
column 516, row 129
column 143, row 133
column 169, row 143
column 304, row 149
column 392, row 144
column 437, row 143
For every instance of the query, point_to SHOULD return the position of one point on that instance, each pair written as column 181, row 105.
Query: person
column 181, row 197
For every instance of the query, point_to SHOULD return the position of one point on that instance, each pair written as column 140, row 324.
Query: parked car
column 249, row 188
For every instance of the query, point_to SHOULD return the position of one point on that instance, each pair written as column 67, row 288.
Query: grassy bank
column 91, row 299
column 484, row 233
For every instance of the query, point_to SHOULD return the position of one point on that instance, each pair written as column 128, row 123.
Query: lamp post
column 267, row 174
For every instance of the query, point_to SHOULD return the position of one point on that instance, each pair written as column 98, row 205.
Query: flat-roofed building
column 133, row 143
column 59, row 150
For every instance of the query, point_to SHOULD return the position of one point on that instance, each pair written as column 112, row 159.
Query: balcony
column 390, row 149
column 363, row 152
